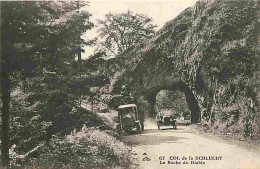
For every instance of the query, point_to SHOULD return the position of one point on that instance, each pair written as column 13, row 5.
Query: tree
column 36, row 37
column 173, row 100
column 119, row 32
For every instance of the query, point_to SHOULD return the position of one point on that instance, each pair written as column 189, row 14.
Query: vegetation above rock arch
column 213, row 47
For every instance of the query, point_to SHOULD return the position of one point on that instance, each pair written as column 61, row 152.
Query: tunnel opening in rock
column 173, row 102
column 177, row 98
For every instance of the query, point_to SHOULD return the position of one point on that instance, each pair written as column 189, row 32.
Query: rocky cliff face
column 210, row 52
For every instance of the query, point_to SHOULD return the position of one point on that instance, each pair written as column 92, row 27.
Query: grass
column 252, row 144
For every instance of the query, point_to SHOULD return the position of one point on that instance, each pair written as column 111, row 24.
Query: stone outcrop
column 211, row 53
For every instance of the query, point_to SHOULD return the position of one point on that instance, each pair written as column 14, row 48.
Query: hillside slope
column 212, row 49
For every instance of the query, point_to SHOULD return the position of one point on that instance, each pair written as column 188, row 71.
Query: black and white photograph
column 130, row 84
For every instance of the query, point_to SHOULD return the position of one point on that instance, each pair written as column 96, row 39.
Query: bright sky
column 160, row 11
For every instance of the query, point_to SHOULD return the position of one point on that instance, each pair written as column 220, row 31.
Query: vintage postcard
column 128, row 84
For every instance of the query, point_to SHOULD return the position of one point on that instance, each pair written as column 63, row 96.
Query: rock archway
column 147, row 101
column 209, row 53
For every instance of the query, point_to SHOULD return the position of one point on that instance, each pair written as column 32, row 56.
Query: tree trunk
column 5, row 90
column 79, row 47
column 6, row 53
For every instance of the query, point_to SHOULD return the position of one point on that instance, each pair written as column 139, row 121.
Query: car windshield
column 127, row 111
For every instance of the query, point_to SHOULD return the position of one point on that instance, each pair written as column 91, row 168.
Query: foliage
column 121, row 31
column 224, row 66
column 56, row 114
column 173, row 100
column 231, row 66
column 87, row 149
column 39, row 32
column 61, row 153
column 39, row 41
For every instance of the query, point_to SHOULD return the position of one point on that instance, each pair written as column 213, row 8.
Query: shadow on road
column 153, row 137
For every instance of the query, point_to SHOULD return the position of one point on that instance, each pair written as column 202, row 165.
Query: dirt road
column 184, row 148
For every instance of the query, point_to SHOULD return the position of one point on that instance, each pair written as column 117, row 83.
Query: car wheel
column 158, row 124
column 142, row 125
column 139, row 128
column 174, row 125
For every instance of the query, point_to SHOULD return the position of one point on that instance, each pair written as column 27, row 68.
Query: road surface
column 184, row 148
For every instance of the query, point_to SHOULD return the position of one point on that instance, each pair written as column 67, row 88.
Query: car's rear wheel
column 158, row 124
column 138, row 128
column 142, row 125
column 174, row 125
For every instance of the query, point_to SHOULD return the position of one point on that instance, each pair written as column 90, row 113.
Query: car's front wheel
column 138, row 128
column 174, row 126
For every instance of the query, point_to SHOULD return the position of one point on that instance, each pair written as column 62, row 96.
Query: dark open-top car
column 128, row 118
column 166, row 118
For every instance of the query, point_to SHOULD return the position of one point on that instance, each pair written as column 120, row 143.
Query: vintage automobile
column 128, row 119
column 166, row 118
